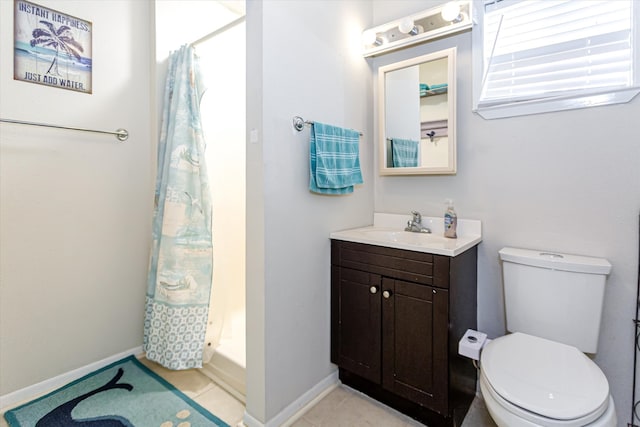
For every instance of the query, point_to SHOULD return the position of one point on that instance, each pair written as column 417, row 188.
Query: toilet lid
column 544, row 377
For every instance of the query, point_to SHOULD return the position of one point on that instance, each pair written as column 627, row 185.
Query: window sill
column 550, row 105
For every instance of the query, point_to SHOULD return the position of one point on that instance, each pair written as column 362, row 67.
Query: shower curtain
column 180, row 270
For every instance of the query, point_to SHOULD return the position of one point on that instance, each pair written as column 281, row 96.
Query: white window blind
column 549, row 49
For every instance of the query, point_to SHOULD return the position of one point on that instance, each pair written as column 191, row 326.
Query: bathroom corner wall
column 303, row 58
column 75, row 208
column 565, row 181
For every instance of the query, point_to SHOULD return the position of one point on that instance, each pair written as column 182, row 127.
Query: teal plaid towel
column 405, row 153
column 334, row 159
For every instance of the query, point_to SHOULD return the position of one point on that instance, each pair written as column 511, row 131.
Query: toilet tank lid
column 556, row 261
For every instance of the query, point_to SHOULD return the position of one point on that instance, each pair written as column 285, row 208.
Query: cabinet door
column 414, row 341
column 357, row 345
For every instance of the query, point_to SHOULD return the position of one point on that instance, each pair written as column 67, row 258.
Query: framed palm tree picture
column 51, row 48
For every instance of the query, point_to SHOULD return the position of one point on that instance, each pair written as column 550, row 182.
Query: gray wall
column 75, row 208
column 565, row 181
column 303, row 58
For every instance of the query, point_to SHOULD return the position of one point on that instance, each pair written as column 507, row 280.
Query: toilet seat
column 505, row 414
column 536, row 379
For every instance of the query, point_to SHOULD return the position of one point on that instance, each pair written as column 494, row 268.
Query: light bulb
column 370, row 38
column 407, row 27
column 451, row 11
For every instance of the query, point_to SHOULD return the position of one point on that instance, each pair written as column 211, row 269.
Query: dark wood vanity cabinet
column 396, row 319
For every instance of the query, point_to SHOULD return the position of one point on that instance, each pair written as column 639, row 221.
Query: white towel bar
column 121, row 134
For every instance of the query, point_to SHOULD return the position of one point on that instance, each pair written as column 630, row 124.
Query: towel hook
column 431, row 135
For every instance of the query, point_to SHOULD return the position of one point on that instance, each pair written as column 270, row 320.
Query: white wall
column 566, row 181
column 304, row 59
column 75, row 208
column 256, row 399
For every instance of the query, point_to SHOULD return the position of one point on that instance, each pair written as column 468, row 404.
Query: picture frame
column 52, row 48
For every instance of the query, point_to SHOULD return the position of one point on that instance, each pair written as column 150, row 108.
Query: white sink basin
column 384, row 232
column 403, row 236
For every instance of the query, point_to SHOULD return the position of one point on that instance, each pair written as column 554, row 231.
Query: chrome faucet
column 415, row 225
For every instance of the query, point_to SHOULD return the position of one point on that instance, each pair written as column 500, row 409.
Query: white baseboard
column 298, row 407
column 25, row 394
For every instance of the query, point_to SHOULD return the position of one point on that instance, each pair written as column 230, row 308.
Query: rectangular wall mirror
column 417, row 115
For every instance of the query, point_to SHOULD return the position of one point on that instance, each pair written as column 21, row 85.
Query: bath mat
column 123, row 394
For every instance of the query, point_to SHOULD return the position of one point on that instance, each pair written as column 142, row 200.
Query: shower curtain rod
column 121, row 134
column 218, row 31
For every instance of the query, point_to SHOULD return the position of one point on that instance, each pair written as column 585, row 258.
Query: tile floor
column 342, row 407
column 205, row 392
column 345, row 407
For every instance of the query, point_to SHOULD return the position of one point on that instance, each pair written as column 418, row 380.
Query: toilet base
column 505, row 415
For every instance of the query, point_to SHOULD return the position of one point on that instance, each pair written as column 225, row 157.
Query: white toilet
column 538, row 375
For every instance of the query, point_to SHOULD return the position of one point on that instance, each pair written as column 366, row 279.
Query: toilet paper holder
column 470, row 345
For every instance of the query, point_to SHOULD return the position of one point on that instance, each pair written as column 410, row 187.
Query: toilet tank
column 554, row 296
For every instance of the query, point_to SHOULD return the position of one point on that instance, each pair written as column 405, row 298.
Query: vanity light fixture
column 449, row 18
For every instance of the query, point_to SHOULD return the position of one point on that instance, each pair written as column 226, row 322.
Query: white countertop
column 388, row 230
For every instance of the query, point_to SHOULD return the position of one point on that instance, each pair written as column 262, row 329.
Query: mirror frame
column 450, row 169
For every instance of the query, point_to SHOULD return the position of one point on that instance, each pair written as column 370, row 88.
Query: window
column 534, row 56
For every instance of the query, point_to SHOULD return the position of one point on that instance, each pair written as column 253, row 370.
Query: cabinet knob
column 386, row 294
column 373, row 290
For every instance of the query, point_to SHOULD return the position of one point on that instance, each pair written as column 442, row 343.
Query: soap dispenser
column 450, row 221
